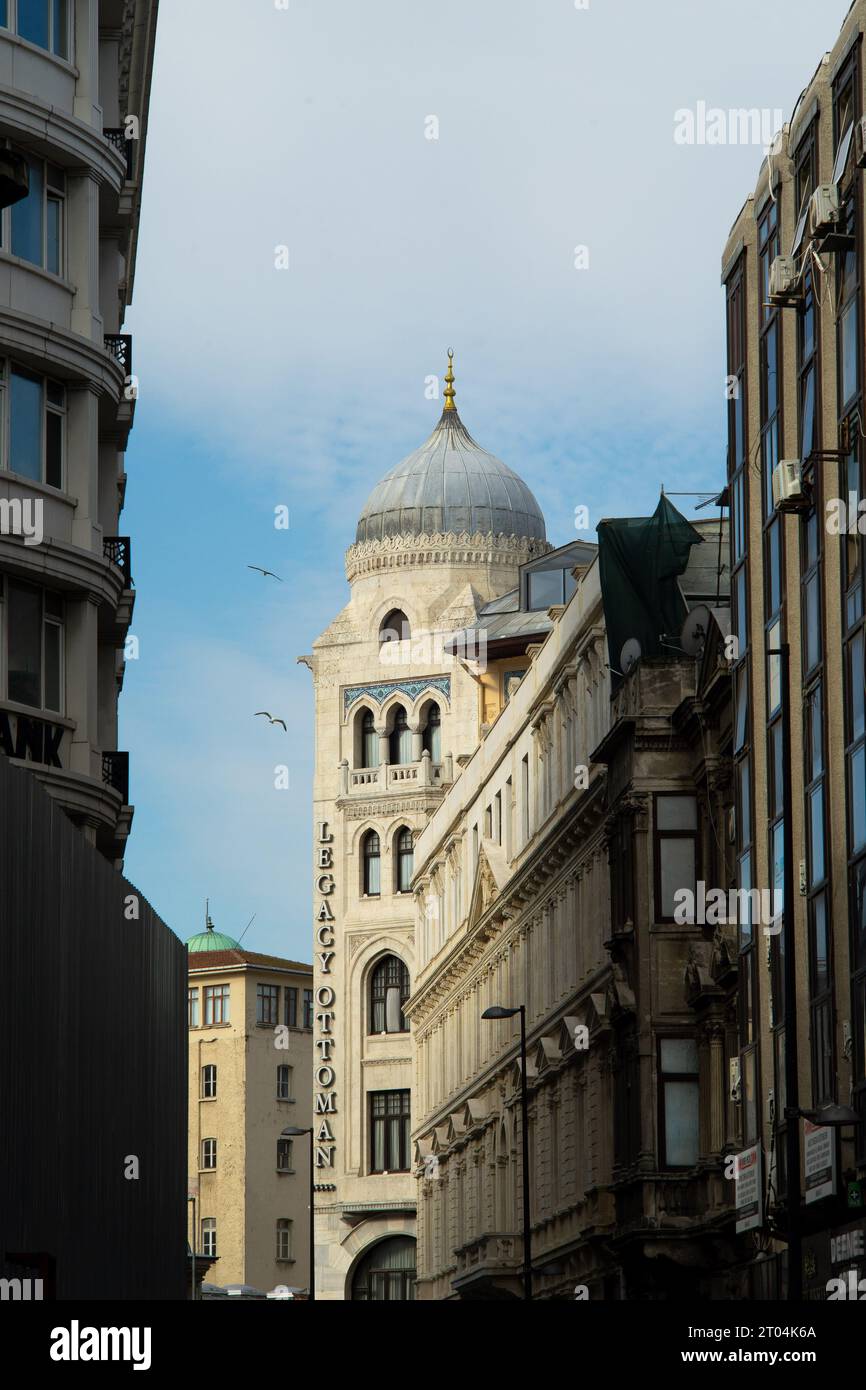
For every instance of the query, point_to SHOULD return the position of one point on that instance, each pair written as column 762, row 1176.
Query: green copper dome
column 211, row 940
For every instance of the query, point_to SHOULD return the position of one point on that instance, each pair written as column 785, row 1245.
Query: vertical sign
column 325, row 1097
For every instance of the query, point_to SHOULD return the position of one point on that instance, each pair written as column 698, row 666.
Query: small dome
column 211, row 940
column 448, row 485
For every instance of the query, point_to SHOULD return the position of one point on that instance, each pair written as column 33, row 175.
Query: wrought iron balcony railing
column 120, row 347
column 118, row 550
column 115, row 773
column 116, row 136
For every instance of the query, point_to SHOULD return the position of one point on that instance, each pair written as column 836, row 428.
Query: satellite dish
column 630, row 655
column 696, row 629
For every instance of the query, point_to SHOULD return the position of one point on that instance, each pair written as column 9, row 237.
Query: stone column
column 82, row 465
column 82, row 611
column 82, row 205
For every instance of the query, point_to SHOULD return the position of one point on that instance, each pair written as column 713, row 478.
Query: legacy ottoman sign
column 325, row 1101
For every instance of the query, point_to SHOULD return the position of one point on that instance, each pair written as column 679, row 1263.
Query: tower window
column 405, row 859
column 372, row 865
column 401, row 738
column 395, row 627
column 369, row 740
column 389, row 990
column 433, row 734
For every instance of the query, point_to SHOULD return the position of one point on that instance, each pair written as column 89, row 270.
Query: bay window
column 32, row 633
column 34, row 228
column 44, row 23
column 35, row 440
column 678, row 1102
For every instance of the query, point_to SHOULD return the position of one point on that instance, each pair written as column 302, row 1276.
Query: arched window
column 433, row 734
column 394, row 627
column 389, row 990
column 400, row 738
column 372, row 865
column 387, row 1274
column 369, row 740
column 405, row 859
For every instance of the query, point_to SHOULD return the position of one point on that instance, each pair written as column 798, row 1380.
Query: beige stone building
column 793, row 278
column 75, row 81
column 536, row 884
column 250, row 1067
column 396, row 715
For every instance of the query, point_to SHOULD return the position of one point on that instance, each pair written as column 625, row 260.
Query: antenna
column 695, row 630
column 246, row 928
column 630, row 655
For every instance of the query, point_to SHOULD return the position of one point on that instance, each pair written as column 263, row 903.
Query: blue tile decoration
column 379, row 693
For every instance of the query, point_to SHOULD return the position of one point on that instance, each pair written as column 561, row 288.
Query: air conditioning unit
column 824, row 210
column 860, row 143
column 785, row 286
column 788, row 490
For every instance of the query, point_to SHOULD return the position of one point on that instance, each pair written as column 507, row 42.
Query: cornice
column 449, row 548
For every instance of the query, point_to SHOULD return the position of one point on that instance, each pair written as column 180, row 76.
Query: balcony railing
column 390, row 777
column 115, row 773
column 118, row 551
column 116, row 136
column 119, row 345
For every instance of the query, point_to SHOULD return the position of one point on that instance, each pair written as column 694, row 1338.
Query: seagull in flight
column 259, row 569
column 270, row 717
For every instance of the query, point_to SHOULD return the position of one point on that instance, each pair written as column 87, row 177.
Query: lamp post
column 292, row 1132
column 497, row 1011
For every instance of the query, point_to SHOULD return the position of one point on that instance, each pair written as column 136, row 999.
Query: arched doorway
column 386, row 1274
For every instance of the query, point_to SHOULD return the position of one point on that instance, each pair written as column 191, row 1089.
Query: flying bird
column 270, row 717
column 259, row 569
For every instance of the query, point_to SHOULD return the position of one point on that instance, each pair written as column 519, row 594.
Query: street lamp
column 497, row 1011
column 292, row 1132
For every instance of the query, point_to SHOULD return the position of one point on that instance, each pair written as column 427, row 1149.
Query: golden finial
column 449, row 383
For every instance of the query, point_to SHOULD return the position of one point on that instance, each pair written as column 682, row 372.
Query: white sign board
column 749, row 1189
column 820, row 1161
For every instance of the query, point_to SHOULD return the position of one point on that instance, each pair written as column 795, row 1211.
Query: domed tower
column 441, row 535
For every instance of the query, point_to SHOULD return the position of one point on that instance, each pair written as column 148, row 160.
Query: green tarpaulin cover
column 640, row 559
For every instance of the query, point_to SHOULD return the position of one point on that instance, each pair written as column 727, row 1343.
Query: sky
column 335, row 194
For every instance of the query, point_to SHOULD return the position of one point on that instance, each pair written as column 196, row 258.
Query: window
column 621, row 861
column 267, row 1003
column 284, row 1156
column 209, row 1237
column 400, row 742
column 389, row 990
column 290, row 1006
column 36, row 410
column 395, row 627
column 387, row 1273
column 44, row 23
column 510, row 682
column 547, row 588
column 497, row 818
column 216, row 1004
column 488, row 822
column 676, row 849
column 284, row 1082
column 369, row 740
column 208, row 1153
column 209, row 1082
column 678, row 1128
column 284, row 1240
column 524, row 796
column 432, row 739
column 308, row 1008
column 405, row 859
column 34, row 228
column 192, row 1008
column 509, row 819
column 389, row 1132
column 372, row 865
column 34, row 647
column 626, row 1110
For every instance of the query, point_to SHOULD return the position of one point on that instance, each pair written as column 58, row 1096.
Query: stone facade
column 380, row 782
column 244, row 1107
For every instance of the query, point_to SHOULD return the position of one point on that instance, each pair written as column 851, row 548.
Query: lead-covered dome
column 451, row 485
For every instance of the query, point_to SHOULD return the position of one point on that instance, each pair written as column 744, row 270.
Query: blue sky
column 306, row 128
